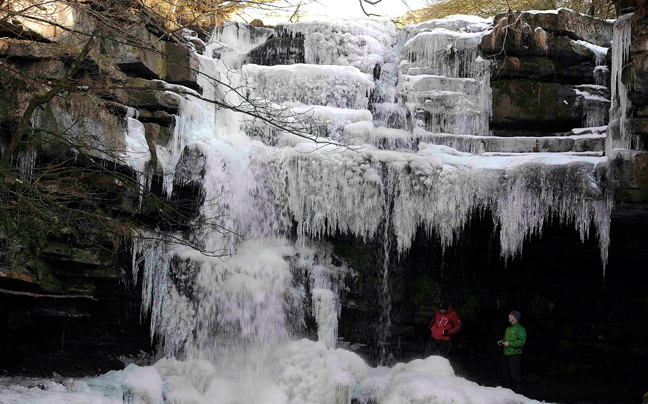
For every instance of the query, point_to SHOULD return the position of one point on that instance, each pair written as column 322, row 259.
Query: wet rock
column 630, row 173
column 539, row 68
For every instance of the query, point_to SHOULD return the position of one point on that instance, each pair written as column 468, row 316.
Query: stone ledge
column 590, row 29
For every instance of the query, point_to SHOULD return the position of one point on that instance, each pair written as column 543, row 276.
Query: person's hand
column 499, row 343
column 446, row 333
column 505, row 343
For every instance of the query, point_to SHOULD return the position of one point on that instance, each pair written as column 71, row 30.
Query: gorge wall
column 586, row 319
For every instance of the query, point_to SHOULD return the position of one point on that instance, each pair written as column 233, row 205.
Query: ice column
column 618, row 136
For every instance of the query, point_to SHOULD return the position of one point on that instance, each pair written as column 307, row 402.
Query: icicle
column 26, row 163
column 171, row 314
column 440, row 189
column 620, row 101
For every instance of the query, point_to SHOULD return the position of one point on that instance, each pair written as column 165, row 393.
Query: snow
column 599, row 51
column 305, row 372
column 545, row 11
column 458, row 22
column 591, row 97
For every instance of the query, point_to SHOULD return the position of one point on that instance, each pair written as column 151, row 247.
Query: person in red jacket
column 444, row 324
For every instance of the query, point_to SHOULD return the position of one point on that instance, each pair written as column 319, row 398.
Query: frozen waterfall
column 228, row 326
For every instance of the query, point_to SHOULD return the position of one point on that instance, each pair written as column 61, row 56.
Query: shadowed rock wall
column 585, row 331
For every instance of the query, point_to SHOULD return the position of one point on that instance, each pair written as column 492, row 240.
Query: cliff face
column 68, row 296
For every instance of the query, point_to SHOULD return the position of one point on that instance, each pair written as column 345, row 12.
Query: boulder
column 151, row 95
column 15, row 29
column 31, row 50
column 182, row 66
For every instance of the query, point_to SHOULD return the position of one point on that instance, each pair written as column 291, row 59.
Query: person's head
column 443, row 305
column 514, row 316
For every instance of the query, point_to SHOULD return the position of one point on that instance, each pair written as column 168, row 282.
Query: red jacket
column 445, row 321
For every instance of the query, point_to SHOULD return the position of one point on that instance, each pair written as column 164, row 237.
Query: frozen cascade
column 333, row 86
column 234, row 311
column 445, row 82
column 325, row 281
column 595, row 104
column 240, row 38
column 361, row 43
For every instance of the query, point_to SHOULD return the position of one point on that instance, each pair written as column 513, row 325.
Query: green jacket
column 515, row 335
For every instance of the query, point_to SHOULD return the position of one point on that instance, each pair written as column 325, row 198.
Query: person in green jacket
column 513, row 342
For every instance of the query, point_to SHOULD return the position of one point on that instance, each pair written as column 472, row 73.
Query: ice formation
column 444, row 81
column 620, row 105
column 440, row 189
column 595, row 103
column 305, row 372
column 333, row 86
column 362, row 43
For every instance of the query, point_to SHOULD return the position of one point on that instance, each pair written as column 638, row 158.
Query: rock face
column 74, row 309
column 73, row 306
column 549, row 68
column 626, row 143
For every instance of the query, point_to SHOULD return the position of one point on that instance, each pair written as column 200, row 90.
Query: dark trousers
column 436, row 347
column 511, row 370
